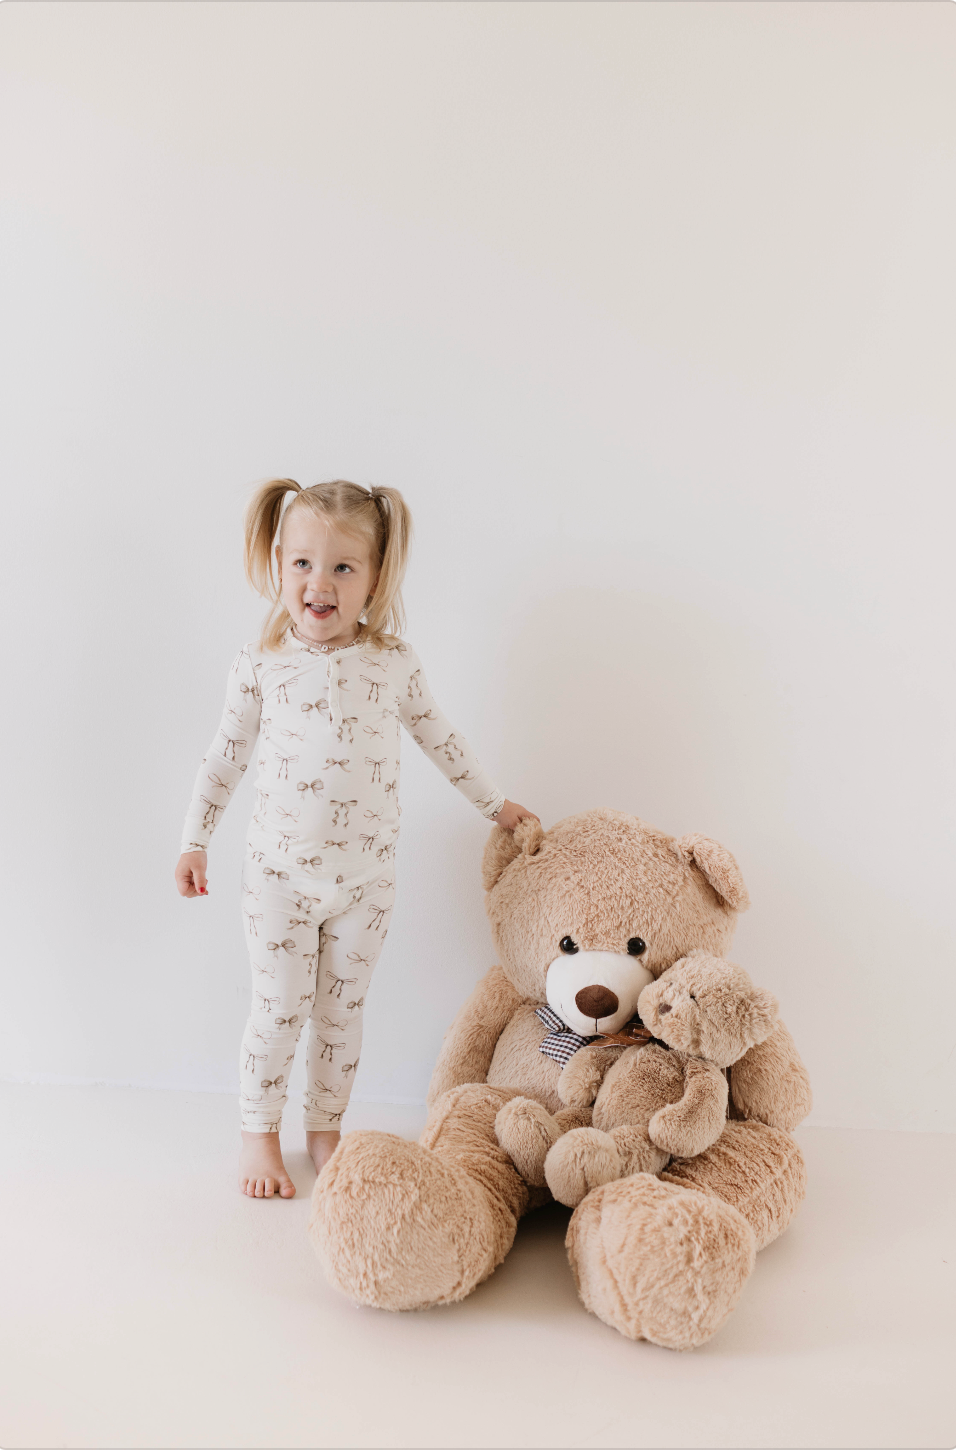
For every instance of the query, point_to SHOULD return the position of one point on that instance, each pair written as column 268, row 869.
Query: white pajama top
column 327, row 727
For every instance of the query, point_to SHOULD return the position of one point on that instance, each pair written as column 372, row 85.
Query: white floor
column 148, row 1304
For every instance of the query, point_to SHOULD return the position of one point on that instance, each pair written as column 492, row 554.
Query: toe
column 288, row 1190
column 260, row 1189
column 270, row 1188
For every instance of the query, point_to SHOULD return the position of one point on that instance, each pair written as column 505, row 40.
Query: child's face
column 326, row 576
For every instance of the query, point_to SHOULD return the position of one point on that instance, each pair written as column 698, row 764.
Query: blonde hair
column 378, row 516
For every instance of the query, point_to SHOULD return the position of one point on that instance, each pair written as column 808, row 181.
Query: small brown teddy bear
column 656, row 1102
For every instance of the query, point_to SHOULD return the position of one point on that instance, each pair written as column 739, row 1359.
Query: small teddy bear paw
column 579, row 1162
column 526, row 1131
column 583, row 1075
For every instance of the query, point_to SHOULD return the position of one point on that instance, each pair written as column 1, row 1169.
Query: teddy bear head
column 586, row 915
column 709, row 1008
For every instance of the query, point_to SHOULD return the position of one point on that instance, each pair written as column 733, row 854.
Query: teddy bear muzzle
column 596, row 992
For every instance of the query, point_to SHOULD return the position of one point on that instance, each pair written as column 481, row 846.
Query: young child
column 324, row 691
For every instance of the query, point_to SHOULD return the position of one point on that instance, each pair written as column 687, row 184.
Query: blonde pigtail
column 386, row 612
column 261, row 529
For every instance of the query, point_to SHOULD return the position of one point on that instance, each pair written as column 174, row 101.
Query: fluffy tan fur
column 652, row 1104
column 661, row 1256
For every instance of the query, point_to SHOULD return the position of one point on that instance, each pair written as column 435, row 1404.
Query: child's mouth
column 320, row 612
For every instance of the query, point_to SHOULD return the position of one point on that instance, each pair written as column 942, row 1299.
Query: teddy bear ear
column 503, row 847
column 718, row 866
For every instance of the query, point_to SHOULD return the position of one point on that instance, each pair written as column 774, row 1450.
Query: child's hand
column 511, row 814
column 191, row 875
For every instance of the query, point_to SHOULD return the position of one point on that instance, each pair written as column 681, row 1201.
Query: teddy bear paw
column 579, row 1162
column 583, row 1075
column 526, row 1131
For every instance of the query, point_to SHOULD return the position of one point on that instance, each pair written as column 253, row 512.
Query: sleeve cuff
column 495, row 806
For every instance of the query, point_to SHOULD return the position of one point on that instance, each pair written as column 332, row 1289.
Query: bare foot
column 261, row 1171
column 321, row 1145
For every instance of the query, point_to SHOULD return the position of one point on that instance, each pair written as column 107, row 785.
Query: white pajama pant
column 313, row 950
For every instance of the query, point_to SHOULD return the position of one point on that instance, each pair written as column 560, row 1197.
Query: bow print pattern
column 376, row 687
column 387, row 685
column 448, row 746
column 345, row 958
column 313, row 914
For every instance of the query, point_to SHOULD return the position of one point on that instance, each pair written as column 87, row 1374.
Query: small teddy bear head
column 586, row 915
column 708, row 1008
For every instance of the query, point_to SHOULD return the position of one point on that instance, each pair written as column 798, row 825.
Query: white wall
column 649, row 311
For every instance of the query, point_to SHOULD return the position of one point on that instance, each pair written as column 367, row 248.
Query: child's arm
column 466, row 1052
column 220, row 771
column 430, row 728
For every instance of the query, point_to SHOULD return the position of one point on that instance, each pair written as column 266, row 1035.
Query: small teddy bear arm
column 468, row 1046
column 695, row 1122
column 583, row 1074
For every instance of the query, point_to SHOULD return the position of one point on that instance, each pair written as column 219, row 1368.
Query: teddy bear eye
column 568, row 945
column 636, row 946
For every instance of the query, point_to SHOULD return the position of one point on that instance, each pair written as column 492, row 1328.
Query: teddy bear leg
column 758, row 1170
column 526, row 1131
column 578, row 1162
column 657, row 1262
column 403, row 1226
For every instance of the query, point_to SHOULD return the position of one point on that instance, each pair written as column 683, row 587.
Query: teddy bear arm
column 696, row 1121
column 770, row 1082
column 583, row 1075
column 469, row 1044
column 638, row 1154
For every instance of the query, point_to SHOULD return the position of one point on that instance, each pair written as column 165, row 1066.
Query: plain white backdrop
column 648, row 309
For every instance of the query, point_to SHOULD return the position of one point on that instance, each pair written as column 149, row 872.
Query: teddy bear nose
column 596, row 1001
column 664, row 1008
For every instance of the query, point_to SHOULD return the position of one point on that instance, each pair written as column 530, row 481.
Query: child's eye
column 301, row 562
column 344, row 567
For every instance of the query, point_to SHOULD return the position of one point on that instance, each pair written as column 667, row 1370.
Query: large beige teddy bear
column 583, row 918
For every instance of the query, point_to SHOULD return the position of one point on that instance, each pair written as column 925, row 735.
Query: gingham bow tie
column 561, row 1043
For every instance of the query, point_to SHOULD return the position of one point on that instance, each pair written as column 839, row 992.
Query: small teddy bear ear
column 718, row 866
column 503, row 847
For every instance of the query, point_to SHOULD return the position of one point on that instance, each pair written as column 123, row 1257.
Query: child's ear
column 503, row 847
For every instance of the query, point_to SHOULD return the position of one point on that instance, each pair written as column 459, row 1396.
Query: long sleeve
column 422, row 717
column 228, row 756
